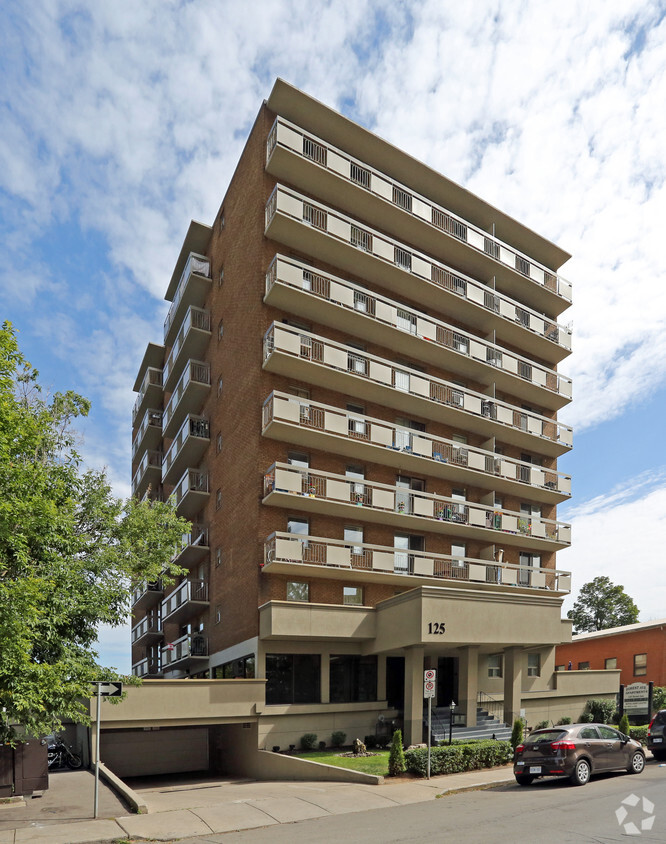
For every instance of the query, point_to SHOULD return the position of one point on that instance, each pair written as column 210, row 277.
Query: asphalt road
column 547, row 812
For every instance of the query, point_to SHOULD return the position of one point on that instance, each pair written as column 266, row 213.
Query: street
column 548, row 812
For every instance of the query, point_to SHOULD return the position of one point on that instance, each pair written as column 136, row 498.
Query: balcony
column 298, row 354
column 316, row 166
column 309, row 424
column 311, row 556
column 297, row 288
column 189, row 651
column 187, row 600
column 187, row 448
column 149, row 432
column 193, row 289
column 148, row 472
column 150, row 393
column 190, row 342
column 147, row 631
column 147, row 669
column 146, row 595
column 337, row 495
column 300, row 223
column 191, row 493
column 189, row 394
column 193, row 547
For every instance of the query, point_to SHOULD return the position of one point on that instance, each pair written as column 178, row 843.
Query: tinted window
column 545, row 735
column 588, row 733
column 609, row 733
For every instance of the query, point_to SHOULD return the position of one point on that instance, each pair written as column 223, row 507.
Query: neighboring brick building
column 637, row 650
column 356, row 405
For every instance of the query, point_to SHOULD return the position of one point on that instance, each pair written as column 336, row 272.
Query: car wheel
column 581, row 773
column 636, row 763
column 524, row 779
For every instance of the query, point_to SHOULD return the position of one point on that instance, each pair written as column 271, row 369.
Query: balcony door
column 403, row 497
column 404, row 543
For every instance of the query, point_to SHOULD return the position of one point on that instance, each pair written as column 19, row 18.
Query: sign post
column 429, row 678
column 104, row 689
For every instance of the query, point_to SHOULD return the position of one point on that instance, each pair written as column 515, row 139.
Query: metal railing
column 190, row 590
column 195, row 371
column 190, row 645
column 295, row 342
column 151, row 419
column 150, row 460
column 145, row 586
column 192, row 481
column 152, row 378
column 195, row 318
column 197, row 537
column 147, row 666
column 148, row 624
column 193, row 426
column 491, row 705
column 198, row 264
column 415, row 204
column 347, row 295
column 283, row 547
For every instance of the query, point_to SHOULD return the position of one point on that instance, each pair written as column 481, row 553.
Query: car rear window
column 544, row 735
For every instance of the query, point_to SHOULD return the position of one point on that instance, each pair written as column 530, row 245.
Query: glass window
column 495, row 665
column 458, row 551
column 297, row 591
column 354, row 537
column 301, row 527
column 220, row 330
column 218, row 499
column 218, row 556
column 296, row 458
column 640, row 665
column 353, row 678
column 533, row 665
column 584, row 666
column 352, row 595
column 293, row 678
column 218, row 614
column 218, row 443
column 610, row 662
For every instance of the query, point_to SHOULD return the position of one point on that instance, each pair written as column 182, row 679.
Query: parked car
column 656, row 735
column 576, row 751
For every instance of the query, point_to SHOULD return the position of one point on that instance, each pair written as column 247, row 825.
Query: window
column 354, row 537
column 218, row 556
column 220, row 278
column 218, row 614
column 353, row 678
column 237, row 669
column 218, row 499
column 357, row 490
column 560, row 667
column 352, row 595
column 533, row 665
column 610, row 662
column 218, row 442
column 640, row 665
column 584, row 666
column 298, row 591
column 495, row 665
column 297, row 458
column 293, row 678
column 458, row 495
column 222, row 220
column 219, row 386
column 300, row 527
column 401, row 380
column 300, row 392
column 458, row 552
column 220, row 330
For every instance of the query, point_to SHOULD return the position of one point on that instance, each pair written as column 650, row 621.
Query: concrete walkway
column 211, row 808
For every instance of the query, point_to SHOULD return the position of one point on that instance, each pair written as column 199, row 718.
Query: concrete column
column 413, row 733
column 468, row 683
column 513, row 682
column 325, row 677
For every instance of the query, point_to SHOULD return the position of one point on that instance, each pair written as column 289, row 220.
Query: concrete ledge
column 123, row 790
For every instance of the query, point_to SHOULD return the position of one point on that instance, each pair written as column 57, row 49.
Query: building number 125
column 437, row 628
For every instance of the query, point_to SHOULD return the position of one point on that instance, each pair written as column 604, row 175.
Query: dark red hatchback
column 576, row 751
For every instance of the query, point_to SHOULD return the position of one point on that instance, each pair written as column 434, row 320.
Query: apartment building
column 355, row 403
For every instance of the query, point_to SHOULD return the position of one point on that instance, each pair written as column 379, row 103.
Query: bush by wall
column 308, row 741
column 455, row 758
column 638, row 733
column 338, row 738
column 598, row 711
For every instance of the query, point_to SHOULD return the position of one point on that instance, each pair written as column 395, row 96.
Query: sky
column 120, row 122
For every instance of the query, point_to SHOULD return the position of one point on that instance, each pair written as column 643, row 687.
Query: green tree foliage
column 601, row 605
column 69, row 553
column 624, row 725
column 517, row 732
column 396, row 763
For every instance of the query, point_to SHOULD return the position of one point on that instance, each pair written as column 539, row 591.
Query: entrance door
column 447, row 680
column 395, row 682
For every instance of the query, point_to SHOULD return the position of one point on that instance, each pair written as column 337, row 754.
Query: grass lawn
column 377, row 764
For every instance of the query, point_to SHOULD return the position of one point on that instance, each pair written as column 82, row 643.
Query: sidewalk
column 210, row 808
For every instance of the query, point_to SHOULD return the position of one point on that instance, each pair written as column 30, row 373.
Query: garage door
column 137, row 753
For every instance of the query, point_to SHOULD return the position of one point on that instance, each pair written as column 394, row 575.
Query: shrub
column 517, row 733
column 658, row 698
column 308, row 741
column 638, row 733
column 396, row 763
column 623, row 726
column 564, row 720
column 542, row 725
column 598, row 710
column 455, row 758
column 370, row 742
column 338, row 738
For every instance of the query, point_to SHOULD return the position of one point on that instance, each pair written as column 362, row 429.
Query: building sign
column 636, row 698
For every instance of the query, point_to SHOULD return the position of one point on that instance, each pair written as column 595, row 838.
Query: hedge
column 639, row 733
column 456, row 758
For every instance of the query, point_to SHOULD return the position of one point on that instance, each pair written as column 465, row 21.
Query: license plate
column 535, row 769
column 656, row 740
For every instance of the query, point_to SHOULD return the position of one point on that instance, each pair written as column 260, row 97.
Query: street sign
column 428, row 689
column 430, row 674
column 109, row 688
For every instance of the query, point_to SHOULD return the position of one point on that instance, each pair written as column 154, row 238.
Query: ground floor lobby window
column 353, row 678
column 293, row 678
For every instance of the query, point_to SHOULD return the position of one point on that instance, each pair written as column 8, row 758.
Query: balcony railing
column 196, row 319
column 152, row 588
column 189, row 591
column 194, row 427
column 147, row 668
column 382, row 498
column 196, row 264
column 285, row 339
column 285, row 548
column 382, row 186
column 371, row 306
column 195, row 372
column 312, row 416
column 190, row 647
column 152, row 421
column 197, row 539
column 152, row 378
column 150, row 460
column 420, row 266
column 150, row 625
column 194, row 483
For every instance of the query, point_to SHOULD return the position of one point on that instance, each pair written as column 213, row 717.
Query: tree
column 69, row 553
column 396, row 762
column 601, row 605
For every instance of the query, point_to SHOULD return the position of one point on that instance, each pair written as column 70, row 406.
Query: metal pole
column 99, row 698
column 429, row 731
